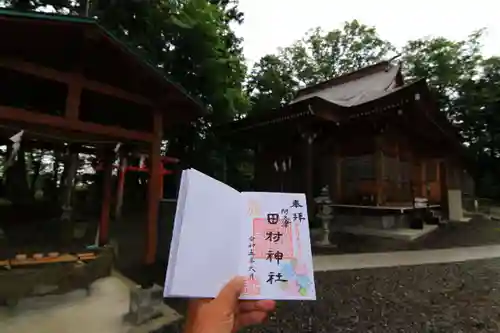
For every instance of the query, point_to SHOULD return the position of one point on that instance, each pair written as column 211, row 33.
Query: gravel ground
column 456, row 297
column 459, row 297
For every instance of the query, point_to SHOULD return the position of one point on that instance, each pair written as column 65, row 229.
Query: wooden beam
column 25, row 117
column 65, row 77
column 154, row 189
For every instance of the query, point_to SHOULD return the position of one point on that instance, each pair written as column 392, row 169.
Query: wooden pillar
column 423, row 178
column 71, row 164
column 67, row 197
column 397, row 178
column 309, row 171
column 154, row 189
column 338, row 173
column 73, row 97
column 380, row 169
column 106, row 199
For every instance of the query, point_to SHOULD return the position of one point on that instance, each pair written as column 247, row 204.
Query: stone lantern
column 325, row 214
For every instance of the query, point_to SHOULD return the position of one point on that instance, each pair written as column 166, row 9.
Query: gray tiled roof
column 358, row 91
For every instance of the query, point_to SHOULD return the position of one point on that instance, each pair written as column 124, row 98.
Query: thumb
column 229, row 295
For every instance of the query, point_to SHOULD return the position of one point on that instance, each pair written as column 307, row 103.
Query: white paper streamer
column 16, row 139
column 117, row 147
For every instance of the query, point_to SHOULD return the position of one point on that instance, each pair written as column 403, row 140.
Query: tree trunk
column 16, row 180
column 37, row 165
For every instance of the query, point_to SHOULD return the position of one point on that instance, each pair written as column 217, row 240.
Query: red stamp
column 252, row 287
column 272, row 237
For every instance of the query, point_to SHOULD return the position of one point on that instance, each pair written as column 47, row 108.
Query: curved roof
column 380, row 81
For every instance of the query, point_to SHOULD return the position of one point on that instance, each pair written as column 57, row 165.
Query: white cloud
column 270, row 24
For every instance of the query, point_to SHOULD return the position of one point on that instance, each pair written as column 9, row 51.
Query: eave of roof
column 124, row 47
column 290, row 112
column 339, row 113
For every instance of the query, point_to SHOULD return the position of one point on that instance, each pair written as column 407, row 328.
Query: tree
column 322, row 55
column 446, row 64
column 270, row 85
column 319, row 56
column 478, row 107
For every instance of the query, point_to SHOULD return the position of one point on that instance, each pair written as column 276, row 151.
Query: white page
column 289, row 277
column 174, row 243
column 209, row 246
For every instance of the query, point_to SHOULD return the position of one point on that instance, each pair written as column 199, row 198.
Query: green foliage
column 323, row 55
column 446, row 64
column 319, row 56
column 191, row 41
column 271, row 84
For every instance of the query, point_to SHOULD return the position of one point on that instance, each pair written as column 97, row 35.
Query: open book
column 220, row 233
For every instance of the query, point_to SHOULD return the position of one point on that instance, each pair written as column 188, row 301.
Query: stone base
column 405, row 234
column 462, row 220
column 145, row 304
column 373, row 221
column 324, row 246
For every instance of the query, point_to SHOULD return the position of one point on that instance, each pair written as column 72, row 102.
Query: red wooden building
column 374, row 139
column 68, row 82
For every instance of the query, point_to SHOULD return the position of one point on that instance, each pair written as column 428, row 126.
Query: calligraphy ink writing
column 273, row 236
column 273, row 218
column 278, row 256
column 285, row 220
column 298, row 217
column 275, row 278
column 251, row 268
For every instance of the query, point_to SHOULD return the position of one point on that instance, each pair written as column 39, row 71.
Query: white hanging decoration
column 117, row 147
column 142, row 161
column 16, row 139
column 284, row 166
column 276, row 166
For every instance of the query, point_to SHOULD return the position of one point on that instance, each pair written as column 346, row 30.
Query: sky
column 270, row 24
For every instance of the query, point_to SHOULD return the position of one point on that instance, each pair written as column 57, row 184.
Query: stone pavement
column 403, row 258
column 76, row 312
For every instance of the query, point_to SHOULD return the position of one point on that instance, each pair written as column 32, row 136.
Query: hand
column 226, row 313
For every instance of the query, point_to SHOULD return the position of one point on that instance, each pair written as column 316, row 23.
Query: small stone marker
column 145, row 304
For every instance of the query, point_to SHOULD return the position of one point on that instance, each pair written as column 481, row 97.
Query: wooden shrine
column 71, row 86
column 374, row 139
